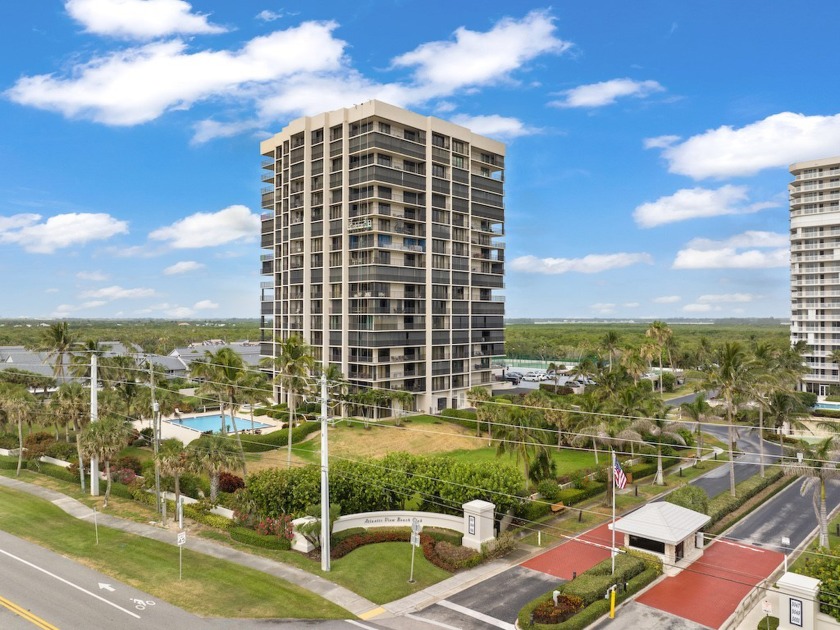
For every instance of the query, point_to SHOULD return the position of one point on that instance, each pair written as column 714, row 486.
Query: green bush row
column 270, row 441
column 205, row 518
column 255, row 539
column 570, row 496
column 462, row 417
column 725, row 503
column 8, row 462
column 642, row 569
column 826, row 413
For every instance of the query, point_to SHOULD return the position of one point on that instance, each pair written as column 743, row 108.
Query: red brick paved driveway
column 710, row 589
column 574, row 555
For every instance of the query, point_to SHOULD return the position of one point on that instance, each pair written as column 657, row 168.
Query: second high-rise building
column 382, row 230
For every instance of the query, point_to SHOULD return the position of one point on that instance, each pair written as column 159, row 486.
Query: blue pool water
column 214, row 423
column 828, row 405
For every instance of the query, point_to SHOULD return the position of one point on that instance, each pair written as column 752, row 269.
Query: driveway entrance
column 710, row 589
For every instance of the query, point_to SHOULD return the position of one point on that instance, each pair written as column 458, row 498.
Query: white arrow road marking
column 68, row 583
column 106, row 587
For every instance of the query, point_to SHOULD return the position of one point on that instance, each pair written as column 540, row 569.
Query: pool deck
column 169, row 427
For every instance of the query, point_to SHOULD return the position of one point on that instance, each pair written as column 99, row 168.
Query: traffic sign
column 182, row 538
column 415, row 540
column 766, row 607
column 416, row 526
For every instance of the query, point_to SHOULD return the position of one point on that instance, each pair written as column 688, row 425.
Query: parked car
column 512, row 377
column 531, row 376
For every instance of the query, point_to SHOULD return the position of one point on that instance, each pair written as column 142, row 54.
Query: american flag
column 618, row 475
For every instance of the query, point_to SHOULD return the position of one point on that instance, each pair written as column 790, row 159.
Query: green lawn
column 210, row 587
column 380, row 572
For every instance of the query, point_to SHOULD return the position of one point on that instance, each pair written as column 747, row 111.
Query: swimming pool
column 214, row 423
column 828, row 405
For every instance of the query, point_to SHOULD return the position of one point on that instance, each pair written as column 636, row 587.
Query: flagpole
column 612, row 549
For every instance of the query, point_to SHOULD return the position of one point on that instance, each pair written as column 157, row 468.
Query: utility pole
column 156, row 435
column 325, row 478
column 94, row 416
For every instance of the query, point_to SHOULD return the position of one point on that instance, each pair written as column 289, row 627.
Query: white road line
column 361, row 625
column 61, row 579
column 439, row 624
column 476, row 615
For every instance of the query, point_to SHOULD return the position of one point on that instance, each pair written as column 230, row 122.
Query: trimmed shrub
column 691, row 497
column 548, row 489
column 201, row 515
column 255, row 539
column 51, row 470
column 8, row 462
column 130, row 462
column 8, row 441
column 270, row 441
column 549, row 612
column 36, row 444
column 62, row 450
column 228, row 482
column 124, row 476
column 533, row 510
column 725, row 503
column 122, row 491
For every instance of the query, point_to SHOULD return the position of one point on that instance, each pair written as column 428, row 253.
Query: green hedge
column 570, row 496
column 51, row 470
column 261, row 443
column 637, row 568
column 205, row 518
column 725, row 503
column 8, row 462
column 255, row 539
column 462, row 417
column 826, row 413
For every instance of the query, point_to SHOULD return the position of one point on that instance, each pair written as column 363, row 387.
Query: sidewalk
column 356, row 604
column 339, row 595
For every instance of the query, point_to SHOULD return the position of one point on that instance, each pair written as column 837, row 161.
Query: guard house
column 667, row 530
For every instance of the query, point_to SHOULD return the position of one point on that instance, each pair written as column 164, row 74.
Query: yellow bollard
column 612, row 603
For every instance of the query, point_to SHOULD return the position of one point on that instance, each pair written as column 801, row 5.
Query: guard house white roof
column 662, row 521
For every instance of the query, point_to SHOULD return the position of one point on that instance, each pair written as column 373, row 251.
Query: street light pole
column 155, row 436
column 325, row 478
column 94, row 416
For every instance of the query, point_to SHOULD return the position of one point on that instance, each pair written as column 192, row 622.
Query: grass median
column 210, row 587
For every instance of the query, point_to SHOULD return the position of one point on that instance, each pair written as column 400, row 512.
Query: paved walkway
column 339, row 595
column 356, row 604
column 711, row 588
column 575, row 556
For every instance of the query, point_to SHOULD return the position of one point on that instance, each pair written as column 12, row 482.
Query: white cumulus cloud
column 667, row 299
column 209, row 229
column 59, row 231
column 494, row 125
column 139, row 19
column 726, row 297
column 603, row 308
column 184, row 266
column 607, row 93
column 480, row 58
column 93, row 276
column 693, row 203
column 204, row 305
column 117, row 292
column 266, row 15
column 699, row 308
column 750, row 250
column 592, row 263
column 774, row 142
column 135, row 85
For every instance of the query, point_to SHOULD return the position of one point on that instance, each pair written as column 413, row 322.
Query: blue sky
column 648, row 142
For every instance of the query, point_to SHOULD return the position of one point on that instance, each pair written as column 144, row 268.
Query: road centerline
column 68, row 583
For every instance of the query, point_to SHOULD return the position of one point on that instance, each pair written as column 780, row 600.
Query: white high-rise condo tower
column 815, row 268
column 381, row 231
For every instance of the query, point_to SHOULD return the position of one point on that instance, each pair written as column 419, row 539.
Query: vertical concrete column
column 478, row 523
column 798, row 605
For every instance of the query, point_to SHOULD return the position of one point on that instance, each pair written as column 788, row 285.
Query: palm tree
column 697, row 410
column 17, row 405
column 589, row 425
column 80, row 358
column 521, row 434
column 661, row 335
column 293, row 364
column 173, row 461
column 104, row 439
column 834, row 357
column 764, row 379
column 72, row 403
column 476, row 395
column 817, row 465
column 634, row 364
column 225, row 376
column 658, row 429
column 784, row 410
column 214, row 454
column 405, row 400
column 57, row 340
column 609, row 342
column 729, row 375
